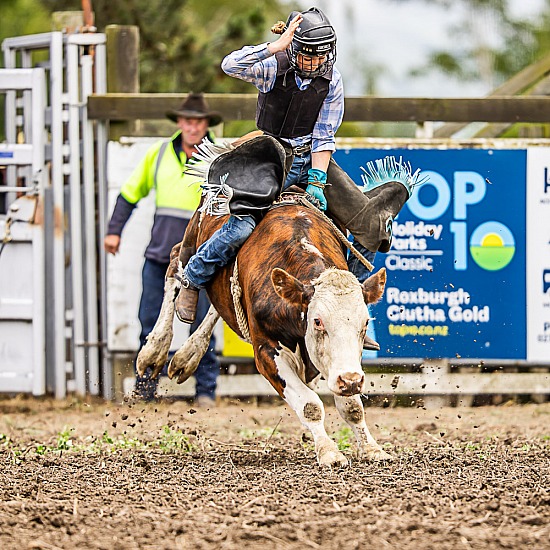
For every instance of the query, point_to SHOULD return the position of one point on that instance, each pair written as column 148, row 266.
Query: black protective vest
column 286, row 111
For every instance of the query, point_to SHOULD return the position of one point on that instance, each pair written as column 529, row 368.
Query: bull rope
column 237, row 292
column 347, row 244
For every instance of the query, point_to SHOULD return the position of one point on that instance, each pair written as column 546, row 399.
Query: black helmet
column 315, row 37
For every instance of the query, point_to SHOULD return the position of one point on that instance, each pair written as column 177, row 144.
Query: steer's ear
column 373, row 287
column 291, row 289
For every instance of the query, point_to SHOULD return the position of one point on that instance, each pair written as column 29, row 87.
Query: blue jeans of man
column 149, row 308
column 219, row 250
column 356, row 267
column 298, row 171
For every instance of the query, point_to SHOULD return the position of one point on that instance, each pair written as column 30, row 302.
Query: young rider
column 300, row 102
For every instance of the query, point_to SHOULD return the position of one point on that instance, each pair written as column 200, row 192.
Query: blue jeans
column 149, row 308
column 298, row 171
column 219, row 250
column 356, row 267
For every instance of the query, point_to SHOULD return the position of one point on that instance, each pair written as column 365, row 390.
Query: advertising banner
column 457, row 267
column 538, row 254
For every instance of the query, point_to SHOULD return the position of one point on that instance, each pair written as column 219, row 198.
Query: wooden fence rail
column 123, row 106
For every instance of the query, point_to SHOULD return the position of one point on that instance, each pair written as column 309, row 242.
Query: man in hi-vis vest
column 177, row 197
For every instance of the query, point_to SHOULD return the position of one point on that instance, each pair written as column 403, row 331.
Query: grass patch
column 344, row 438
column 174, row 440
column 168, row 441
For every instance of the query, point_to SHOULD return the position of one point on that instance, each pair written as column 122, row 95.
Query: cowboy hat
column 195, row 106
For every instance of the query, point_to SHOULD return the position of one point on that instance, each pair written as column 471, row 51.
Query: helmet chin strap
column 320, row 71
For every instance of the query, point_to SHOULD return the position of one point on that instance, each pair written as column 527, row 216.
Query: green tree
column 20, row 17
column 182, row 42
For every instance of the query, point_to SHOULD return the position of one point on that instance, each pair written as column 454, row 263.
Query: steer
column 306, row 316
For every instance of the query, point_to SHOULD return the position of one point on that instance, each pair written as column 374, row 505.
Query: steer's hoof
column 333, row 459
column 181, row 375
column 329, row 455
column 157, row 369
column 376, row 454
column 154, row 354
column 180, row 371
column 145, row 359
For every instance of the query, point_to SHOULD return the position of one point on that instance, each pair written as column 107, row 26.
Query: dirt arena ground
column 78, row 474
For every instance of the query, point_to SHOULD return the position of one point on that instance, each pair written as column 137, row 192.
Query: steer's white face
column 336, row 324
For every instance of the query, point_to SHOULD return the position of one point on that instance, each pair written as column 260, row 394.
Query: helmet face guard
column 313, row 49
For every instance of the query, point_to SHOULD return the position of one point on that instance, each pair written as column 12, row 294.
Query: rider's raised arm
column 254, row 64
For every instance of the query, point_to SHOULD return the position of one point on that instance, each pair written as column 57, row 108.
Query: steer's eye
column 318, row 324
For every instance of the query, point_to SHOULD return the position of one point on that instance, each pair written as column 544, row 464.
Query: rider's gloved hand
column 317, row 179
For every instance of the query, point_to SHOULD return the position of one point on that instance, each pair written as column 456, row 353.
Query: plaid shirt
column 255, row 64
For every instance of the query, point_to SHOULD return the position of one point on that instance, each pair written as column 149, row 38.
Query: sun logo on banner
column 492, row 246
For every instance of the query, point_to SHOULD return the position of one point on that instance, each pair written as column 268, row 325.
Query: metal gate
column 22, row 292
column 69, row 190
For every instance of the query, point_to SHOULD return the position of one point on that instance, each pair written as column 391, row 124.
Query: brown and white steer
column 306, row 313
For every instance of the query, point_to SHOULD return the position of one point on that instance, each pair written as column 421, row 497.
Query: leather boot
column 370, row 345
column 367, row 216
column 186, row 303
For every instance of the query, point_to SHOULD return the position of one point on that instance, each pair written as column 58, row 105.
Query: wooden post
column 122, row 70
